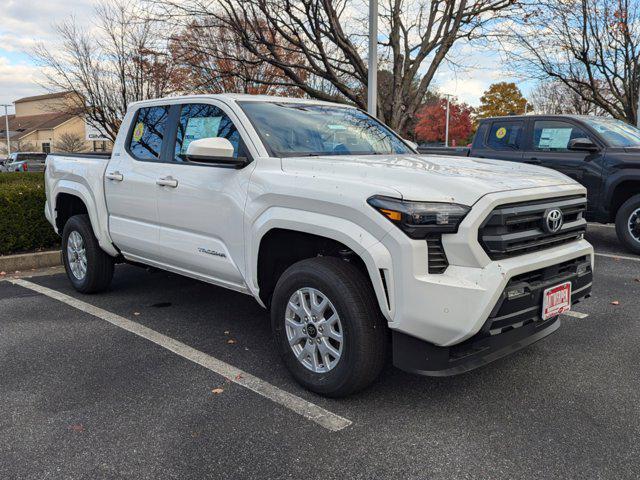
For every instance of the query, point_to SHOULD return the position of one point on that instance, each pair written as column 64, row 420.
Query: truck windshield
column 293, row 130
column 616, row 132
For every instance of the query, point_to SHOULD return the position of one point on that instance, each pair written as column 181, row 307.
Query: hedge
column 23, row 226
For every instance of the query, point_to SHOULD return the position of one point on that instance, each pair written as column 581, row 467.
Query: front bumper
column 514, row 323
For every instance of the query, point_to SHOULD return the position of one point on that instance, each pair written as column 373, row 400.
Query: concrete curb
column 28, row 261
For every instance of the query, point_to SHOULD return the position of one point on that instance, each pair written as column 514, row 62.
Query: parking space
column 85, row 398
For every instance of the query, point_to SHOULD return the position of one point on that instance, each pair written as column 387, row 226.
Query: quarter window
column 554, row 136
column 505, row 136
column 205, row 121
column 149, row 132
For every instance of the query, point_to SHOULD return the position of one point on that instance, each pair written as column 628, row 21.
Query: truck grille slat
column 517, row 228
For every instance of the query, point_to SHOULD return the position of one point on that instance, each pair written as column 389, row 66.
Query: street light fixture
column 446, row 122
column 372, row 87
column 6, row 122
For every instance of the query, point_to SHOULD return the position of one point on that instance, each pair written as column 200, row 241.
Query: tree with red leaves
column 432, row 121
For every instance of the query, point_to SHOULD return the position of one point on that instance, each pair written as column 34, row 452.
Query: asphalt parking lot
column 89, row 392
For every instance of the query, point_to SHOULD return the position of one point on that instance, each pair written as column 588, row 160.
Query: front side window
column 615, row 132
column 505, row 135
column 200, row 120
column 554, row 136
column 46, row 147
column 148, row 132
column 292, row 129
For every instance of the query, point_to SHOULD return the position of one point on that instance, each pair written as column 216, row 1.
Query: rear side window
column 505, row 136
column 199, row 120
column 148, row 132
column 554, row 136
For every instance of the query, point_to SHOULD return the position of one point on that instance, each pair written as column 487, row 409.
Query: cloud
column 24, row 24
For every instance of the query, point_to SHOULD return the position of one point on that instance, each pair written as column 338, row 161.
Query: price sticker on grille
column 556, row 300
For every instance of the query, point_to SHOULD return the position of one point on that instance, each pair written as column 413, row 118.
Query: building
column 43, row 123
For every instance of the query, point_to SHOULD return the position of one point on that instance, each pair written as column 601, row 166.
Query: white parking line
column 308, row 410
column 618, row 257
column 574, row 314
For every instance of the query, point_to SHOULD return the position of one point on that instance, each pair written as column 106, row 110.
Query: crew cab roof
column 541, row 116
column 234, row 97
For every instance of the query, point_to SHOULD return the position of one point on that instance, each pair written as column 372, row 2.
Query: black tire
column 623, row 217
column 365, row 331
column 99, row 264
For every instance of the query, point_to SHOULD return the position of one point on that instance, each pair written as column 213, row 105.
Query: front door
column 201, row 210
column 549, row 148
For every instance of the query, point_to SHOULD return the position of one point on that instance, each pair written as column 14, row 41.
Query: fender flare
column 374, row 254
column 614, row 181
column 84, row 194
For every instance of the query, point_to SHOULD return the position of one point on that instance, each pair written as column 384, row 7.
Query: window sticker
column 554, row 138
column 138, row 132
column 200, row 127
column 501, row 133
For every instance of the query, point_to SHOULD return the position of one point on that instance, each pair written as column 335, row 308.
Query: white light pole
column 372, row 87
column 446, row 122
column 6, row 122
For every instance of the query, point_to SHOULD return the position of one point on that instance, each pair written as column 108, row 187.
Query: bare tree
column 553, row 97
column 592, row 47
column 124, row 59
column 213, row 60
column 70, row 143
column 328, row 35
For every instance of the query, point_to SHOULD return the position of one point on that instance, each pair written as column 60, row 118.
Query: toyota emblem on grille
column 553, row 220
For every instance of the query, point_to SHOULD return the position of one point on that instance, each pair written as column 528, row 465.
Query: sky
column 24, row 23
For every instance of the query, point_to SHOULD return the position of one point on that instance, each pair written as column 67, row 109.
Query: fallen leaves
column 217, row 391
column 77, row 427
column 3, row 273
column 231, row 341
column 136, row 313
column 615, row 302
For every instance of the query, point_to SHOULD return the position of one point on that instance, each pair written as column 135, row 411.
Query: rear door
column 130, row 184
column 549, row 148
column 500, row 139
column 201, row 209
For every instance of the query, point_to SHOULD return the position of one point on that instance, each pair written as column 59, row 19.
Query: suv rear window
column 147, row 132
column 505, row 136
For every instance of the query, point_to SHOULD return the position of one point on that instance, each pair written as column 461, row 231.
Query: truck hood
column 429, row 177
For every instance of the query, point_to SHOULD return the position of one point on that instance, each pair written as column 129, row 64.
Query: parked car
column 26, row 162
column 601, row 153
column 333, row 222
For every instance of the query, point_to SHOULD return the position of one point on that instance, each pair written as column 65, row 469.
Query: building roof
column 24, row 125
column 43, row 97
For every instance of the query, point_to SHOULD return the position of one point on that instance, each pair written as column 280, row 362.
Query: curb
column 29, row 261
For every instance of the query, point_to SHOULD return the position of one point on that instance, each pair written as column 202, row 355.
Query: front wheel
column 328, row 327
column 89, row 268
column 628, row 224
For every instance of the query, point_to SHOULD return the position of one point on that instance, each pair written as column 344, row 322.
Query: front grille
column 437, row 259
column 518, row 310
column 517, row 228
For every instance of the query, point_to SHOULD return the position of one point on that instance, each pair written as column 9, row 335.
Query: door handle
column 533, row 161
column 115, row 176
column 167, row 182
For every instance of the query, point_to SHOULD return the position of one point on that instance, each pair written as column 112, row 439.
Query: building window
column 46, row 147
column 99, row 146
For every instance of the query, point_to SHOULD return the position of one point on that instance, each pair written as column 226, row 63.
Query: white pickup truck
column 358, row 245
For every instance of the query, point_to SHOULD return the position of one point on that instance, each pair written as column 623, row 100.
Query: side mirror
column 214, row 151
column 582, row 145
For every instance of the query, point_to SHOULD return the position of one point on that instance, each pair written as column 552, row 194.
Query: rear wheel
column 327, row 326
column 89, row 268
column 628, row 224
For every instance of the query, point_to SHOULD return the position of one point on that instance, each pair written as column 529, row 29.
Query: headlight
column 420, row 219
